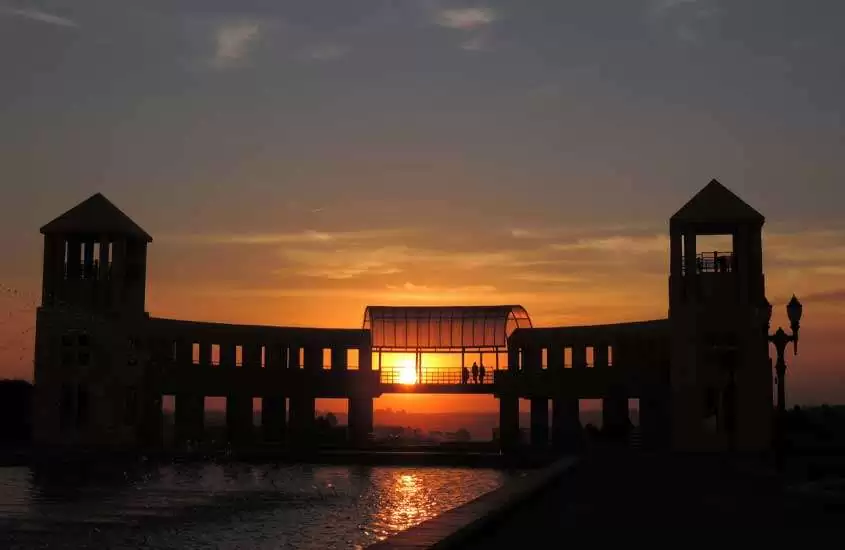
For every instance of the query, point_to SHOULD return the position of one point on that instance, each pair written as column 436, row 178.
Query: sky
column 296, row 161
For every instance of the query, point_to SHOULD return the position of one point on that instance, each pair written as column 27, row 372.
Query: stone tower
column 89, row 357
column 720, row 375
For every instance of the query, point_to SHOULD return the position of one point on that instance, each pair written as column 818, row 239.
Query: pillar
column 539, row 421
column 313, row 358
column 566, row 423
column 513, row 358
column 365, row 358
column 228, row 355
column 690, row 268
column 301, row 420
column 360, row 419
column 600, row 356
column 340, row 359
column 579, row 356
column 555, row 357
column 654, row 426
column 252, row 356
column 239, row 418
column 188, row 418
column 273, row 419
column 118, row 272
column 615, row 415
column 508, row 422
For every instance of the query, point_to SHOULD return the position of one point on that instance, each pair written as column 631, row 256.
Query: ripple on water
column 227, row 506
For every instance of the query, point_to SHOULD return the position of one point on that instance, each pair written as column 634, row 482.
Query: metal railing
column 712, row 262
column 89, row 272
column 438, row 376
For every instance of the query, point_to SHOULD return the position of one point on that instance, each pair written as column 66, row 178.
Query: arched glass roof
column 443, row 328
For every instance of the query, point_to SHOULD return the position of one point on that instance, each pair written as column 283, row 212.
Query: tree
column 331, row 420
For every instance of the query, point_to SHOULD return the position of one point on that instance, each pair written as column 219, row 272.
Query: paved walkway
column 626, row 499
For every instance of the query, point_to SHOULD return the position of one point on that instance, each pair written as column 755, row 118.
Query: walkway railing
column 402, row 375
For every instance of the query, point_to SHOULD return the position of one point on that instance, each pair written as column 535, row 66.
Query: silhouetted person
column 481, row 373
column 474, row 373
column 464, row 375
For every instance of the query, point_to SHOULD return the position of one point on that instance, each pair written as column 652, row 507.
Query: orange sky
column 560, row 275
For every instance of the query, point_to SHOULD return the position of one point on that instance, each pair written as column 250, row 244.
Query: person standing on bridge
column 481, row 373
column 464, row 374
column 474, row 372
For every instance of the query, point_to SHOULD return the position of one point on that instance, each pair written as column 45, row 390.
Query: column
column 741, row 263
column 539, row 421
column 508, row 422
column 273, row 418
column 239, row 417
column 252, row 356
column 566, row 423
column 690, row 267
column 615, row 416
column 188, row 417
column 302, row 414
column 118, row 272
column 74, row 259
column 365, row 358
column 555, row 356
column 88, row 259
column 532, row 358
column 313, row 358
column 360, row 419
column 600, row 356
column 205, row 354
column 513, row 358
column 653, row 425
column 339, row 358
column 579, row 356
column 228, row 355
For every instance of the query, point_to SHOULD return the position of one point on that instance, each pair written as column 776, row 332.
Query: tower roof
column 716, row 204
column 97, row 216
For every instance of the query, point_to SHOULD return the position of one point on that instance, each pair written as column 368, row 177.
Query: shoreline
column 355, row 457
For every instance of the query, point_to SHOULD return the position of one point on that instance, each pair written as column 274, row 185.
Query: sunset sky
column 298, row 160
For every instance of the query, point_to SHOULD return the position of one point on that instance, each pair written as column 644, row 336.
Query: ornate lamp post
column 781, row 339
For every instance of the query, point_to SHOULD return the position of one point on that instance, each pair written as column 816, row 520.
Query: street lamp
column 781, row 339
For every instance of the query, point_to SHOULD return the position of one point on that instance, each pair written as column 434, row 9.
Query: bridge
column 103, row 365
column 289, row 368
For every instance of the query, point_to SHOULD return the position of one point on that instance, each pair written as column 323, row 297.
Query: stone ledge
column 454, row 527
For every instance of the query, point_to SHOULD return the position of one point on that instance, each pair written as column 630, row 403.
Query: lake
column 179, row 506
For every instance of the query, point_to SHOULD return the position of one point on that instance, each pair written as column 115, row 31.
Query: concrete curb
column 455, row 527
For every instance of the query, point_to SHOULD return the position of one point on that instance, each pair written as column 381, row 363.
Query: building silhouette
column 103, row 364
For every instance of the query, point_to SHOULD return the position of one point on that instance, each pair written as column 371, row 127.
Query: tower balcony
column 711, row 262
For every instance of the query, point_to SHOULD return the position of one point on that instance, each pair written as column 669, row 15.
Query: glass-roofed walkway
column 459, row 345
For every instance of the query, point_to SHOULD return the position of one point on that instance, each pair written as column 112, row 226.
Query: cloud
column 687, row 19
column 620, row 244
column 828, row 296
column 40, row 16
column 299, row 237
column 467, row 19
column 662, row 6
column 326, row 52
column 356, row 261
column 233, row 41
column 477, row 43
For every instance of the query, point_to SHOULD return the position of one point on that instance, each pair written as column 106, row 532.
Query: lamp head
column 794, row 309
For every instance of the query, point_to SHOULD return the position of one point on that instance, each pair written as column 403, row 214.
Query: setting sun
column 407, row 372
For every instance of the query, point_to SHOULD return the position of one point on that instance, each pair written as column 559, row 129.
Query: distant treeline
column 15, row 411
column 816, row 428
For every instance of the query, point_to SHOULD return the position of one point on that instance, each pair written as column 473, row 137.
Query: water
column 226, row 506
